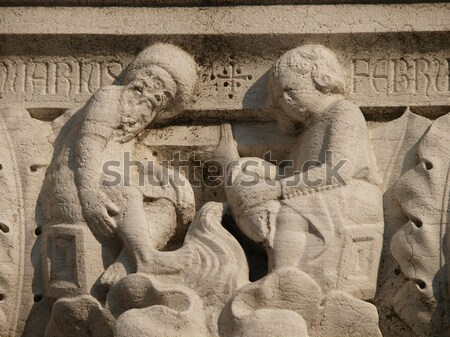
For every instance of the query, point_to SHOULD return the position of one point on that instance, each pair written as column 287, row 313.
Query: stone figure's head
column 302, row 78
column 157, row 83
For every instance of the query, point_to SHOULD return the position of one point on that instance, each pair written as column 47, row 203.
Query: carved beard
column 137, row 113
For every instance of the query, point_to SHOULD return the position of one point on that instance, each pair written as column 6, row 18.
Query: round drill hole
column 421, row 284
column 225, row 84
column 34, row 168
column 2, row 297
column 238, row 84
column 225, row 72
column 239, row 71
column 38, row 231
column 4, row 227
column 1, row 166
column 417, row 222
column 397, row 271
column 428, row 165
column 250, row 77
column 37, row 298
column 111, row 213
column 213, row 77
column 230, row 96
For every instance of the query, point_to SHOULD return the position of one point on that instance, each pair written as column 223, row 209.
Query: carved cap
column 178, row 63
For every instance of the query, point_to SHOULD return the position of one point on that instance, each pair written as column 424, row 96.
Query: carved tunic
column 336, row 209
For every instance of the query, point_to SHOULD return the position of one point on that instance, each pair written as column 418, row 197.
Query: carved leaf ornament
column 419, row 245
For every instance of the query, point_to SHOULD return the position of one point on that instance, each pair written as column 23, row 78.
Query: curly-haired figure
column 334, row 180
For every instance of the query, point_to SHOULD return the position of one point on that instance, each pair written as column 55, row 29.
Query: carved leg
column 289, row 240
column 135, row 231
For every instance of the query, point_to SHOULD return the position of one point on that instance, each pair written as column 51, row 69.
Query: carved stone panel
column 228, row 171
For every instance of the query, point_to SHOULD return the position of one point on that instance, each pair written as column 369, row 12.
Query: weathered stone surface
column 183, row 2
column 224, row 171
column 389, row 57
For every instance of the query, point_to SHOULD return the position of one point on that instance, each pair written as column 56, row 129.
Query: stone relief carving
column 84, row 213
column 77, row 202
column 353, row 221
column 318, row 229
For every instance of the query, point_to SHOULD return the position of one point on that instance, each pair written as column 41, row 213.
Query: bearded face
column 148, row 93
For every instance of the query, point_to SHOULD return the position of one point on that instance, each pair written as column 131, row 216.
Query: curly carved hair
column 326, row 73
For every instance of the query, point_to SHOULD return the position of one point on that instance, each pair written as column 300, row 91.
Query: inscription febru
column 56, row 80
column 396, row 75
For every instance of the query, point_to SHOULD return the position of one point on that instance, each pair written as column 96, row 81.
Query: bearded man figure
column 82, row 209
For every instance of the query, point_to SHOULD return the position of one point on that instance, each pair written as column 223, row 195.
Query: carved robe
column 344, row 213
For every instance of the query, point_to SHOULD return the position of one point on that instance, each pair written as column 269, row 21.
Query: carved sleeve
column 346, row 155
column 97, row 130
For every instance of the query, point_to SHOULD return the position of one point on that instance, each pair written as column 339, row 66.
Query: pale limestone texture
column 225, row 171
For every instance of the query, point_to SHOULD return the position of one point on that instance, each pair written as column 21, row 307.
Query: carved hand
column 99, row 211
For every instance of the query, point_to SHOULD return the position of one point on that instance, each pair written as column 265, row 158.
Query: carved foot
column 114, row 273
column 289, row 303
column 148, row 308
column 123, row 266
column 81, row 316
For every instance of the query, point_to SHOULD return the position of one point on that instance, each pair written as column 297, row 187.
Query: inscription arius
column 55, row 80
column 393, row 75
